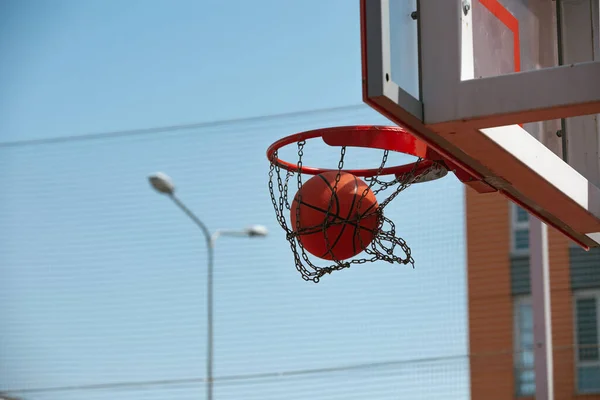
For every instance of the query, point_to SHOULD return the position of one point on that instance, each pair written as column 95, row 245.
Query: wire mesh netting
column 103, row 280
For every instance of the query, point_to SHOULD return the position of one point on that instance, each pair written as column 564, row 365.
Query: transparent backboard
column 404, row 42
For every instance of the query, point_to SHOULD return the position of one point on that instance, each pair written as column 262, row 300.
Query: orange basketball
column 346, row 237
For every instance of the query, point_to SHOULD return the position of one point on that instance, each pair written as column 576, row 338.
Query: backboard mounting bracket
column 479, row 114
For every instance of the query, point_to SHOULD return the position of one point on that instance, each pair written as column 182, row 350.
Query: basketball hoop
column 384, row 244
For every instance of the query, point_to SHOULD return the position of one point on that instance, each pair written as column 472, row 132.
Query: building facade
column 500, row 313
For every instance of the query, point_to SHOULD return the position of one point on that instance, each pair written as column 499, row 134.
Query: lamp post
column 163, row 184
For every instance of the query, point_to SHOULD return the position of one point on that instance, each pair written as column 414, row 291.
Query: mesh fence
column 103, row 281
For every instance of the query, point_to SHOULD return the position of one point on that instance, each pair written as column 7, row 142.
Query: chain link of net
column 385, row 243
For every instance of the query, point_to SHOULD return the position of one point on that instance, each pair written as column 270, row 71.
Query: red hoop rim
column 391, row 138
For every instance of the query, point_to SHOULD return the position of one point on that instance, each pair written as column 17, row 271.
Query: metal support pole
column 163, row 184
column 210, row 241
column 540, row 300
column 209, row 313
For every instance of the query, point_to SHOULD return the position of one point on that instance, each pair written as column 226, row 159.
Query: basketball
column 350, row 231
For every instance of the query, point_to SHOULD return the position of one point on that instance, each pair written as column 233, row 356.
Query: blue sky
column 104, row 280
column 74, row 67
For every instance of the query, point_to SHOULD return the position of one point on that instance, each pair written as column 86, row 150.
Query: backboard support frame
column 459, row 128
column 524, row 96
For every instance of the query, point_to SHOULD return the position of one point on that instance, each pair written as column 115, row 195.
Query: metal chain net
column 385, row 246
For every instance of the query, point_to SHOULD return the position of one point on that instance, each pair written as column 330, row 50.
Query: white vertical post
column 441, row 60
column 540, row 301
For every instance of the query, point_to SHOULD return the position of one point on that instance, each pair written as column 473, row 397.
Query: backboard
column 509, row 90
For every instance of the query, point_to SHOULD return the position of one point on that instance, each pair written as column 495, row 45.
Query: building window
column 587, row 304
column 524, row 368
column 519, row 229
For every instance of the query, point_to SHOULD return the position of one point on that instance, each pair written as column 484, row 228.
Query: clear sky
column 103, row 280
column 71, row 67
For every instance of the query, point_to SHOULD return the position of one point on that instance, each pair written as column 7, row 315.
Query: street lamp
column 163, row 184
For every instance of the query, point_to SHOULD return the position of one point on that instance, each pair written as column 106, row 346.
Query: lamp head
column 162, row 183
column 257, row 231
